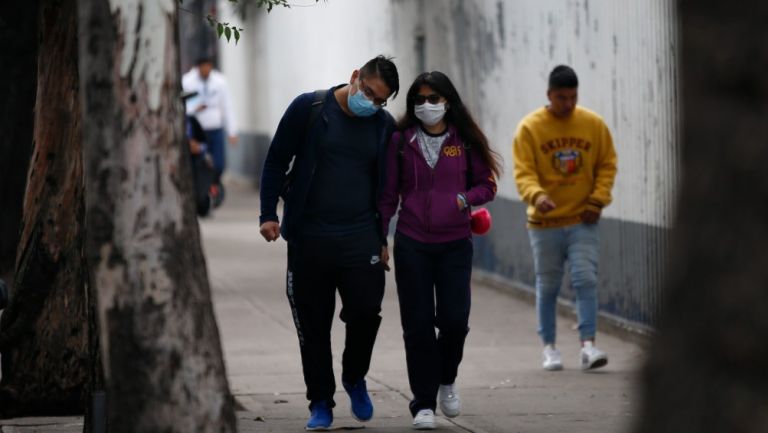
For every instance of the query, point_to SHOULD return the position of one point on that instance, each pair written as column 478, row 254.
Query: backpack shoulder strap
column 317, row 106
column 314, row 111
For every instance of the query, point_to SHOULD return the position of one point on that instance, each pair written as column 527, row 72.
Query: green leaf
column 219, row 29
column 211, row 21
column 227, row 33
column 237, row 35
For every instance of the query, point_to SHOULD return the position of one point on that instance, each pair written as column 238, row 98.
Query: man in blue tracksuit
column 337, row 142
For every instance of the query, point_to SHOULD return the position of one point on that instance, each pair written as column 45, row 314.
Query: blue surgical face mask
column 359, row 105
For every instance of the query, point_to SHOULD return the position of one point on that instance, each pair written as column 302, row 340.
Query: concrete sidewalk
column 502, row 385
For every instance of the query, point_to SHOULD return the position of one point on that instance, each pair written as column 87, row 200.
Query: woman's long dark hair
column 456, row 115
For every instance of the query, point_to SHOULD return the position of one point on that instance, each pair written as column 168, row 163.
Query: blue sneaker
column 321, row 416
column 362, row 408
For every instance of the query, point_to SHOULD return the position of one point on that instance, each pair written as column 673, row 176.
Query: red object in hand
column 481, row 221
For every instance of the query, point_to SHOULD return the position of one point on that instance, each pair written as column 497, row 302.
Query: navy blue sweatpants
column 433, row 289
column 317, row 268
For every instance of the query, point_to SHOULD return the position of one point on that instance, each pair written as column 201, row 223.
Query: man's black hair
column 203, row 59
column 382, row 67
column 563, row 77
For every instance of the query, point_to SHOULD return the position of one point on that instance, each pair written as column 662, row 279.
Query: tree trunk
column 43, row 332
column 162, row 357
column 18, row 31
column 706, row 367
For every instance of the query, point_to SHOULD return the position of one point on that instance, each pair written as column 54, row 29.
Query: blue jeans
column 579, row 245
column 217, row 146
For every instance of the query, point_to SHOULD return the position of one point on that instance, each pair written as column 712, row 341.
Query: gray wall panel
column 247, row 158
column 631, row 261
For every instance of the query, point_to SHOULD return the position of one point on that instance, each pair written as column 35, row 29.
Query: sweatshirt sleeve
column 526, row 175
column 390, row 195
column 483, row 182
column 288, row 137
column 605, row 171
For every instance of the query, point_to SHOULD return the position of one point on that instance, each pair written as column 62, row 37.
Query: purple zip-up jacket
column 429, row 212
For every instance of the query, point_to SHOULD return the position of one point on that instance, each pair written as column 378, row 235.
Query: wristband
column 463, row 200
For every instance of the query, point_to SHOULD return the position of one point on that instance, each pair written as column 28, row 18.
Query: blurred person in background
column 212, row 107
column 565, row 166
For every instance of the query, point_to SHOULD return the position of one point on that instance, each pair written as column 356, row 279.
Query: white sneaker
column 592, row 357
column 450, row 402
column 552, row 359
column 424, row 420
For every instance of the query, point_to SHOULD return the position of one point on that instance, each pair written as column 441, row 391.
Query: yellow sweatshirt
column 571, row 160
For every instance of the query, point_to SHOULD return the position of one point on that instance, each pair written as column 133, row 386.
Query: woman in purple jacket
column 439, row 164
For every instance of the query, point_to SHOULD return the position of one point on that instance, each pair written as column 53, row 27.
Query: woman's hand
column 461, row 201
column 385, row 257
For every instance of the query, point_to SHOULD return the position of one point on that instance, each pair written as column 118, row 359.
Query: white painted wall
column 625, row 54
column 499, row 54
column 301, row 49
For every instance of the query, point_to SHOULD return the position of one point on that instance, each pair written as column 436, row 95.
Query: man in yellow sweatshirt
column 565, row 165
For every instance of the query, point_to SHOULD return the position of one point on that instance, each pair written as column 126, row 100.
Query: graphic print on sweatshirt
column 567, row 154
column 567, row 162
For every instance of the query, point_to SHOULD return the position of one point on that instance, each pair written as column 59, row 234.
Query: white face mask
column 430, row 114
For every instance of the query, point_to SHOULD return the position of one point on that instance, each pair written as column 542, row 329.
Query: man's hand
column 590, row 217
column 385, row 257
column 270, row 230
column 544, row 204
column 194, row 147
column 233, row 139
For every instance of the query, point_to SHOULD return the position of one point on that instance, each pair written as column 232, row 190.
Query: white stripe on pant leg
column 294, row 310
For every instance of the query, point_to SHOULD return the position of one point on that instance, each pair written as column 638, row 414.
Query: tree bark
column 43, row 332
column 18, row 31
column 161, row 352
column 706, row 366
